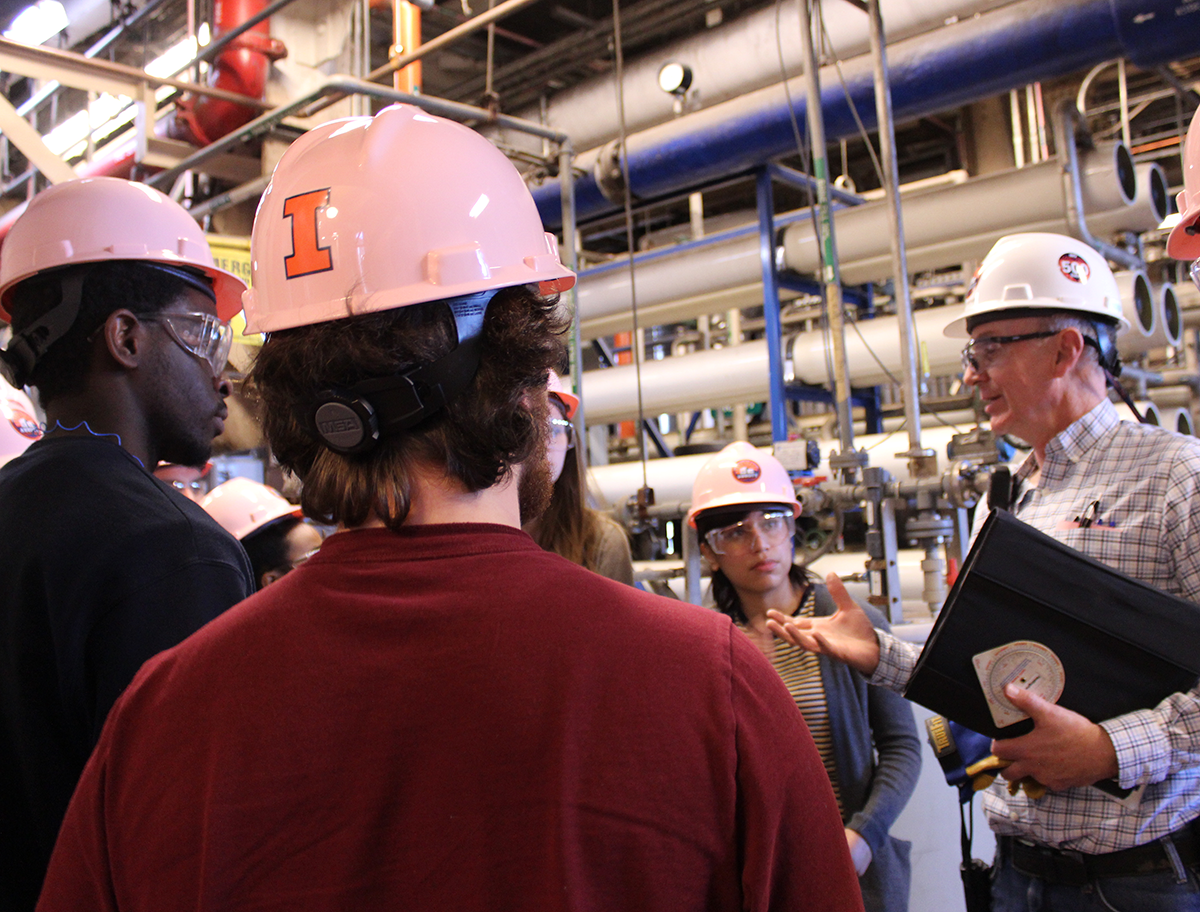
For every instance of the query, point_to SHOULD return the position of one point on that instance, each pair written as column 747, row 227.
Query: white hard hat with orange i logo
column 367, row 214
column 741, row 474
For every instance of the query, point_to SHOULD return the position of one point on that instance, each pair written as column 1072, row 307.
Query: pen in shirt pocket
column 1089, row 518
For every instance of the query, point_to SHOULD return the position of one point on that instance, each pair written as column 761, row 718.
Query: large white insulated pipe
column 1168, row 329
column 1139, row 306
column 698, row 279
column 612, row 485
column 945, row 225
column 1178, row 420
column 740, row 373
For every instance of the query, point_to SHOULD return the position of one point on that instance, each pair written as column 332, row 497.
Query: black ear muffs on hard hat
column 30, row 344
column 351, row 420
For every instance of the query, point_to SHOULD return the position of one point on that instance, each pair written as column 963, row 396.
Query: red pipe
column 241, row 67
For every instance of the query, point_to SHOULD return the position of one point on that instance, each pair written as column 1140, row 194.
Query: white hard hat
column 740, row 474
column 242, row 506
column 365, row 214
column 1040, row 271
column 96, row 219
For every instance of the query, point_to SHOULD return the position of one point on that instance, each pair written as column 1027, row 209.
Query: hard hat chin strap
column 30, row 345
column 352, row 420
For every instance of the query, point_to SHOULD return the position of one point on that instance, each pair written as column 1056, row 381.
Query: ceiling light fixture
column 38, row 23
column 675, row 78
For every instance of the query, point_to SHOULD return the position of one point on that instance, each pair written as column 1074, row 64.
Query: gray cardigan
column 865, row 721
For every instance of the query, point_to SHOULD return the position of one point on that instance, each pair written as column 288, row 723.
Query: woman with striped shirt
column 744, row 509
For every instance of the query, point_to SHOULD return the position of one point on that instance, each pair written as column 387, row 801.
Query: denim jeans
column 1013, row 891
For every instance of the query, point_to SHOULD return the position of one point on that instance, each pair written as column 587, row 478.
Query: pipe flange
column 609, row 175
column 931, row 527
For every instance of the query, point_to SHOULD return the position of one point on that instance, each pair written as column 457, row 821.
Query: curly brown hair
column 482, row 433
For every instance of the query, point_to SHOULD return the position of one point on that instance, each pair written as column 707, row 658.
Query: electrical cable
column 862, row 130
column 628, row 195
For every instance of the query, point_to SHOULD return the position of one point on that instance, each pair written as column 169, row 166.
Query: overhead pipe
column 724, row 270
column 964, row 62
column 612, row 485
column 739, row 57
column 242, row 67
column 942, row 220
column 739, row 373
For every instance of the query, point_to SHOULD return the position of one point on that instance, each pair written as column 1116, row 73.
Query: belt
column 1078, row 868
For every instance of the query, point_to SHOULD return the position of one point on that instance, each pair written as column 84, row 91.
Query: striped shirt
column 1145, row 484
column 801, row 673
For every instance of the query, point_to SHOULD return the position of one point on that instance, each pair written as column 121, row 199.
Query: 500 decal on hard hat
column 420, row 209
column 96, row 220
column 1032, row 272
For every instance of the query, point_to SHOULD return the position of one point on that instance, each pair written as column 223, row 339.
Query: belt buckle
column 1070, row 867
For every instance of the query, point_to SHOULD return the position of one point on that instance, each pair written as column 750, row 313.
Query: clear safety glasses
column 563, row 426
column 979, row 354
column 205, row 336
column 1196, row 273
column 772, row 527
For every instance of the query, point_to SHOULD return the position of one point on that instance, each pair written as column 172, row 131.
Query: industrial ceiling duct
column 964, row 62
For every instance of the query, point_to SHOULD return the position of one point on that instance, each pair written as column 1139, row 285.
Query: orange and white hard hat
column 19, row 426
column 741, row 474
column 365, row 214
column 1184, row 241
column 556, row 388
column 94, row 219
column 242, row 506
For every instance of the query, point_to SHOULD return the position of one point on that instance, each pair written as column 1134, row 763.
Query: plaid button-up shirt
column 1144, row 483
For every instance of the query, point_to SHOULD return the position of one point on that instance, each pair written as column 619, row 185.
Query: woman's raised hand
column 847, row 635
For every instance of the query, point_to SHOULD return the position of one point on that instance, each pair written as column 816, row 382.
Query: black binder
column 1124, row 645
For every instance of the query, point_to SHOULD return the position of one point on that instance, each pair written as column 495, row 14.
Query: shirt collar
column 1070, row 445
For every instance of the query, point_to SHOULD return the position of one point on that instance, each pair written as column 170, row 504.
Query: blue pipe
column 953, row 66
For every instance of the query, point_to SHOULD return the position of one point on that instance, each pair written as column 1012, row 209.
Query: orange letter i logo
column 307, row 254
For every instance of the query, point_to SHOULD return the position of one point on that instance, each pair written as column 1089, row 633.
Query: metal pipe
column 739, row 57
column 441, row 41
column 830, row 276
column 740, row 373
column 891, row 180
column 964, row 62
column 1065, row 125
column 345, row 85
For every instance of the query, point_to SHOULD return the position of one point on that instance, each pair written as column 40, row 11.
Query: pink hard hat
column 558, row 390
column 365, row 214
column 1184, row 240
column 19, row 426
column 242, row 506
column 94, row 219
column 741, row 474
